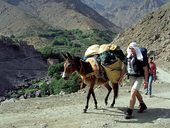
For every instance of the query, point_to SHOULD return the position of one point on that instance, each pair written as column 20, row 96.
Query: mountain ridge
column 12, row 20
column 124, row 13
column 67, row 14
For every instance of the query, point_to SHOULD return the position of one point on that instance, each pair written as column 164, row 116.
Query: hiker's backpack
column 144, row 52
column 134, row 66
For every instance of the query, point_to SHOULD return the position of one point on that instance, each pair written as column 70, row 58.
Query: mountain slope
column 152, row 32
column 67, row 14
column 122, row 12
column 16, row 22
column 19, row 63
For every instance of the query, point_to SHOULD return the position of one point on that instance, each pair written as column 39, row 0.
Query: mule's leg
column 115, row 89
column 109, row 90
column 87, row 102
column 94, row 97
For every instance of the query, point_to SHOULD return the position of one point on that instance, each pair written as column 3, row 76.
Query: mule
column 76, row 64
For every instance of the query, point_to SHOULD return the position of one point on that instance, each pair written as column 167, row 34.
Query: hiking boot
column 128, row 113
column 142, row 107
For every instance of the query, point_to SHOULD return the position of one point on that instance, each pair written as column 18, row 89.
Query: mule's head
column 69, row 65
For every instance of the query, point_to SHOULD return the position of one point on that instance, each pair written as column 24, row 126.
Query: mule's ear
column 63, row 55
column 69, row 56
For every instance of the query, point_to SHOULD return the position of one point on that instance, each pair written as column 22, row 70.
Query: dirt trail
column 163, row 75
column 67, row 111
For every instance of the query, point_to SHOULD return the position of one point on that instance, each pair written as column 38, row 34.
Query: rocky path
column 67, row 111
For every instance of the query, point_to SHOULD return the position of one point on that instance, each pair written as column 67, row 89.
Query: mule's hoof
column 112, row 106
column 84, row 110
column 106, row 101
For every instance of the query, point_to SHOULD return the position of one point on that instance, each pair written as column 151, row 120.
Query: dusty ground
column 67, row 111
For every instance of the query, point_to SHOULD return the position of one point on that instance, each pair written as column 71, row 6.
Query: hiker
column 152, row 76
column 137, row 70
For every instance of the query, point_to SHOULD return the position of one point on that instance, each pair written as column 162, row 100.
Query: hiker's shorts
column 136, row 82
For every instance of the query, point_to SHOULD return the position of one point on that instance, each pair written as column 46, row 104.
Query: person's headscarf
column 138, row 52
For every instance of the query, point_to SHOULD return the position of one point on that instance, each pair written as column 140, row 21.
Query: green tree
column 67, row 86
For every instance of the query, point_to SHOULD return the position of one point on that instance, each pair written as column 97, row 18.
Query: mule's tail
column 82, row 85
column 116, row 90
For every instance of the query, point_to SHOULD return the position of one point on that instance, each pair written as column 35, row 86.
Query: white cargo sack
column 92, row 50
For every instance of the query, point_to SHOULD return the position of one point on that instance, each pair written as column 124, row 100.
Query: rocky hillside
column 122, row 12
column 18, row 63
column 13, row 21
column 152, row 32
column 20, row 16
